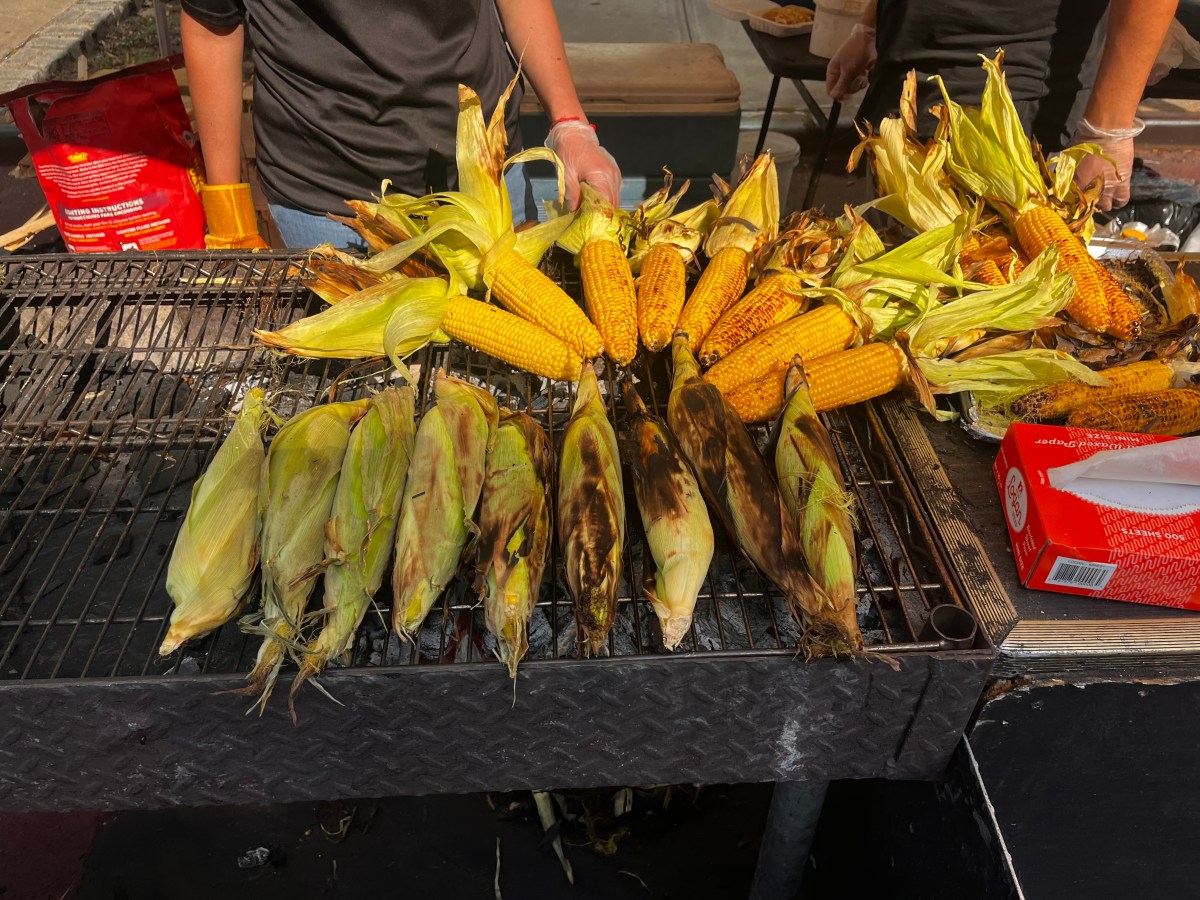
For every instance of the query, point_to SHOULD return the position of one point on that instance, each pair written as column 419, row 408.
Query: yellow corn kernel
column 510, row 338
column 661, row 289
column 1175, row 411
column 776, row 298
column 1056, row 400
column 719, row 287
column 525, row 290
column 817, row 333
column 834, row 381
column 610, row 297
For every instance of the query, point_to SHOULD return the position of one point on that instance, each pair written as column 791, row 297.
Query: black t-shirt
column 349, row 92
column 1051, row 48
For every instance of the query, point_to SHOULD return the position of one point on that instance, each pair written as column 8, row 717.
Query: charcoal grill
column 117, row 375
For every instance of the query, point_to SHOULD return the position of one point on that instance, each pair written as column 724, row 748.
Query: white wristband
column 1088, row 130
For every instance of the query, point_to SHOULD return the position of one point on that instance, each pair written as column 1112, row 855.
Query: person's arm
column 1136, row 29
column 851, row 65
column 533, row 33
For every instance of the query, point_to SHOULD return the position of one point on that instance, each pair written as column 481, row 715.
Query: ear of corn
column 514, row 525
column 438, row 512
column 661, row 288
column 777, row 297
column 720, row 286
column 740, row 489
column 1175, row 411
column 675, row 519
column 216, row 552
column 812, row 335
column 362, row 525
column 299, row 483
column 1056, row 400
column 591, row 513
column 834, row 381
column 510, row 338
column 611, row 298
column 811, row 483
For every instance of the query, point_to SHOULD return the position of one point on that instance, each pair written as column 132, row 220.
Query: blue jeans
column 300, row 229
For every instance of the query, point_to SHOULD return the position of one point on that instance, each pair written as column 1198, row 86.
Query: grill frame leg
column 787, row 839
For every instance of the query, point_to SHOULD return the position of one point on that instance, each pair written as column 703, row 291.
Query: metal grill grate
column 117, row 374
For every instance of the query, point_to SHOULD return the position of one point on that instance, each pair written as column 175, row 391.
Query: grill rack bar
column 81, row 592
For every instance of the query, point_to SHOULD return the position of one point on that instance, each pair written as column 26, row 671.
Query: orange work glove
column 232, row 223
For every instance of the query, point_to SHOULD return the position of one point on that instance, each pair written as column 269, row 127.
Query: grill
column 117, row 375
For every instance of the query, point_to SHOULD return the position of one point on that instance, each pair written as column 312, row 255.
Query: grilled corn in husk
column 591, row 513
column 216, row 552
column 299, row 483
column 514, row 526
column 360, row 531
column 811, row 484
column 734, row 478
column 445, row 479
column 674, row 517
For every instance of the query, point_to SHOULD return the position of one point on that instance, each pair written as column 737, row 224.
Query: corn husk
column 813, row 491
column 514, row 526
column 216, row 552
column 591, row 513
column 750, row 215
column 361, row 529
column 674, row 517
column 438, row 514
column 685, row 231
column 302, row 469
column 740, row 489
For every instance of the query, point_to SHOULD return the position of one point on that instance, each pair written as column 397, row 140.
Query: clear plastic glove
column 850, row 67
column 583, row 159
column 1117, row 144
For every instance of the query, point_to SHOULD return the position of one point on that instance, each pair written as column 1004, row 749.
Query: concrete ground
column 19, row 20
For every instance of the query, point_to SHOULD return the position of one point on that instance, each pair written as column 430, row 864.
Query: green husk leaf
column 998, row 379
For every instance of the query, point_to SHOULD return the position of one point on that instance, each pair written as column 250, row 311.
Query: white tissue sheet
column 1157, row 479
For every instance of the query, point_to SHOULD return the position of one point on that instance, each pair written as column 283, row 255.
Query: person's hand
column 583, row 159
column 232, row 222
column 851, row 65
column 1118, row 145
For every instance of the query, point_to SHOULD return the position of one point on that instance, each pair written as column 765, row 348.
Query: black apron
column 1051, row 52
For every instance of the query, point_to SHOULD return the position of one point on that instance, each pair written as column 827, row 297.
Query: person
column 1075, row 76
column 349, row 93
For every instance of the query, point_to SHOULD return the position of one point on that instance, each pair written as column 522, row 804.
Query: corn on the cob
column 438, row 512
column 1058, row 399
column 514, row 526
column 661, row 289
column 1099, row 304
column 734, row 478
column 720, row 286
column 1173, row 411
column 812, row 335
column 611, row 298
column 216, row 551
column 834, row 381
column 813, row 490
column 301, row 476
column 775, row 299
column 525, row 290
column 676, row 522
column 361, row 527
column 510, row 338
column 591, row 513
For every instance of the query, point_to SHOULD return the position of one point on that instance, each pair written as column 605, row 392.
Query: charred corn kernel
column 834, row 381
column 678, row 529
column 1096, row 304
column 610, row 296
column 1175, row 411
column 216, row 552
column 720, row 286
column 1056, row 400
column 776, row 298
column 525, row 290
column 661, row 289
column 591, row 513
column 511, row 338
column 813, row 490
column 812, row 335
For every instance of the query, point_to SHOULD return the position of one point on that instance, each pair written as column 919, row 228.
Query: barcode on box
column 1078, row 573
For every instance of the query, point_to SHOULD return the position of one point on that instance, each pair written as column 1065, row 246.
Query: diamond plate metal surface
column 135, row 743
